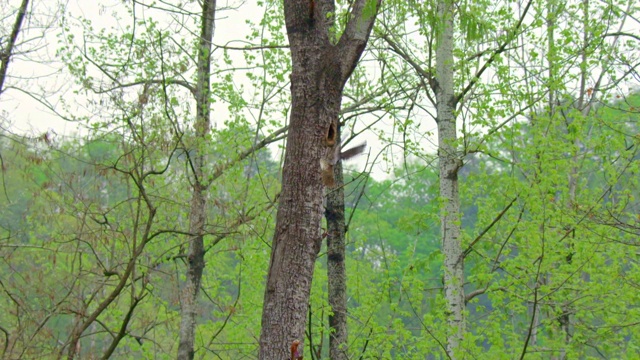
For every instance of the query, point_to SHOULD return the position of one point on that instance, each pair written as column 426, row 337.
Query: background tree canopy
column 181, row 113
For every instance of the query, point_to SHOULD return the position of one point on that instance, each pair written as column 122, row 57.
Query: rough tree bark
column 320, row 70
column 336, row 271
column 449, row 163
column 197, row 215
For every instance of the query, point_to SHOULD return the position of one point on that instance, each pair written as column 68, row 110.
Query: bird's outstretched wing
column 354, row 151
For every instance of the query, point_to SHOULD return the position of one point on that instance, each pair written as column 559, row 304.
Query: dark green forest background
column 97, row 222
column 73, row 213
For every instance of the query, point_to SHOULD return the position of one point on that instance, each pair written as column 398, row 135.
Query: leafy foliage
column 97, row 223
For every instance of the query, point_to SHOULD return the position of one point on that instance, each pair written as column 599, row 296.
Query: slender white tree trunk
column 450, row 163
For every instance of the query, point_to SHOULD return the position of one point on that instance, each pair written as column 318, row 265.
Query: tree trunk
column 449, row 163
column 320, row 70
column 336, row 271
column 197, row 214
column 297, row 236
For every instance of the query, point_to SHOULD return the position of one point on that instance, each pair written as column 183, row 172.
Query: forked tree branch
column 356, row 35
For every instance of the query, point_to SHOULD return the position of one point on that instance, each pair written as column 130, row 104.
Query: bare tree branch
column 5, row 54
column 356, row 34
